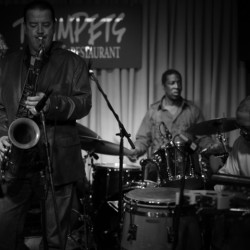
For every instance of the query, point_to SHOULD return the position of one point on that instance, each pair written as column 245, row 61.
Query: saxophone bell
column 24, row 133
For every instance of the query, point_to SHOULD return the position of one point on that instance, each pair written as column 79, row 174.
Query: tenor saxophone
column 23, row 132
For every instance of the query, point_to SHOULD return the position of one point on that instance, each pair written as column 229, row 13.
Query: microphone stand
column 51, row 182
column 122, row 133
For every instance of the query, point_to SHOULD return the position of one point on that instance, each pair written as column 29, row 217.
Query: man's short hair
column 40, row 5
column 170, row 72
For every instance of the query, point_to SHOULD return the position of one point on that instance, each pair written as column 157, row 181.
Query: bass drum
column 106, row 181
column 149, row 221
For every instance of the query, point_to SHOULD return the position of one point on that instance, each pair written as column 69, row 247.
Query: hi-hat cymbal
column 96, row 145
column 84, row 131
column 215, row 126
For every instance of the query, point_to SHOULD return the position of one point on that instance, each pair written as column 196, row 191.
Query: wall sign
column 111, row 37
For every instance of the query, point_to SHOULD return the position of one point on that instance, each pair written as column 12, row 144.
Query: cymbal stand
column 223, row 141
column 87, row 226
column 84, row 216
column 122, row 133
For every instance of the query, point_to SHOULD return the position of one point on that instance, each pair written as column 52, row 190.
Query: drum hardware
column 190, row 145
column 140, row 184
column 170, row 234
column 217, row 127
column 203, row 168
column 185, row 149
column 86, row 228
column 217, row 151
column 223, row 142
column 132, row 231
column 165, row 133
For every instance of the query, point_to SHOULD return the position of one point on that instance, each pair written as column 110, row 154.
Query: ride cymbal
column 215, row 126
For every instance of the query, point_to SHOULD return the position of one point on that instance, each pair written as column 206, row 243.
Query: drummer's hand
column 133, row 155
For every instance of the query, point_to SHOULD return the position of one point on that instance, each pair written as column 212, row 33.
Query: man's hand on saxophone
column 4, row 146
column 32, row 101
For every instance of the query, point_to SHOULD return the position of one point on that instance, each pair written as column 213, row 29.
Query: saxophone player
column 25, row 77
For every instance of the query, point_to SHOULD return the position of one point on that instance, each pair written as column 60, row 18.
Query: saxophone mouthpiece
column 41, row 46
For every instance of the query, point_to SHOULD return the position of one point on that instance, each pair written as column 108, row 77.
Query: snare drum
column 148, row 221
column 106, row 180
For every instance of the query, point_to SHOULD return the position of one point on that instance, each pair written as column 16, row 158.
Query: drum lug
column 170, row 234
column 132, row 232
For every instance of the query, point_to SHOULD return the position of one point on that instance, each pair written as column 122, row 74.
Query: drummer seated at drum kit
column 238, row 161
column 164, row 132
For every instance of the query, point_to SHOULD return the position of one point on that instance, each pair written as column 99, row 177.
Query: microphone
column 191, row 145
column 90, row 71
column 40, row 105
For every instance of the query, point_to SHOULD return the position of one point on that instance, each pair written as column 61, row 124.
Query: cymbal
column 100, row 146
column 215, row 126
column 84, row 131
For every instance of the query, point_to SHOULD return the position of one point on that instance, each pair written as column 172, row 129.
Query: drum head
column 116, row 166
column 159, row 196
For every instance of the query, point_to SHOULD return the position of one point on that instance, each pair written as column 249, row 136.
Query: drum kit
column 149, row 205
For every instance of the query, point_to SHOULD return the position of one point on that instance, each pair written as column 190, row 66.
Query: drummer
column 238, row 161
column 168, row 117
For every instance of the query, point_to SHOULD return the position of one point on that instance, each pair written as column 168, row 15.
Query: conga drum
column 148, row 221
